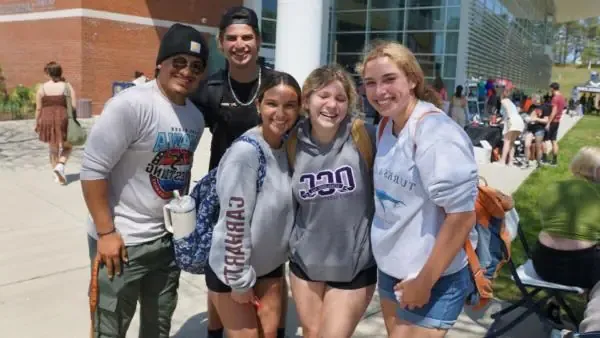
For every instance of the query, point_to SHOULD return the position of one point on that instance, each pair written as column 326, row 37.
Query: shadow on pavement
column 194, row 327
column 72, row 178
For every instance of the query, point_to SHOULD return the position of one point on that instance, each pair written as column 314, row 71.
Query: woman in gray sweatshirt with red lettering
column 333, row 272
column 250, row 240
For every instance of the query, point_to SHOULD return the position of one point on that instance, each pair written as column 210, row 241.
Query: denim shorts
column 445, row 304
column 540, row 133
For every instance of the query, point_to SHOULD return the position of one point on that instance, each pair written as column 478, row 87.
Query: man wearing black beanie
column 139, row 152
column 227, row 99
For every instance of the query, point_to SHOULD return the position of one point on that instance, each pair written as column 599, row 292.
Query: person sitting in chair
column 568, row 250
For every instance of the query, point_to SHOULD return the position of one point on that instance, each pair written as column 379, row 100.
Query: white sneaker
column 59, row 172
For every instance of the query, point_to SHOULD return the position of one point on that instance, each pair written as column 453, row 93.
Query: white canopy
column 570, row 10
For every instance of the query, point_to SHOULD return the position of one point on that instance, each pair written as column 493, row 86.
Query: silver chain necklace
column 251, row 101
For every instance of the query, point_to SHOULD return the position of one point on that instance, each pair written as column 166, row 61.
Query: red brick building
column 97, row 42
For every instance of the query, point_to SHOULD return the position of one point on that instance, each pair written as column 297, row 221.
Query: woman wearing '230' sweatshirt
column 333, row 273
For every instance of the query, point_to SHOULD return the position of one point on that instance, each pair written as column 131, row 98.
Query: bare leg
column 403, row 329
column 284, row 303
column 269, row 292
column 505, row 148
column 239, row 320
column 511, row 152
column 66, row 150
column 342, row 310
column 309, row 303
column 53, row 155
column 528, row 141
column 388, row 308
column 214, row 321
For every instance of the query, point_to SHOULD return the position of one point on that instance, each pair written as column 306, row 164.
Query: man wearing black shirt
column 227, row 100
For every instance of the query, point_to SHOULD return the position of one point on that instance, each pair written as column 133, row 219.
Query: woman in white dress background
column 513, row 127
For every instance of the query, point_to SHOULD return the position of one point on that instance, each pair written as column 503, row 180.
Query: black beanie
column 239, row 15
column 182, row 39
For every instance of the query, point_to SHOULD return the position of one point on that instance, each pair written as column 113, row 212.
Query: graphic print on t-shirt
column 389, row 207
column 327, row 183
column 170, row 168
column 383, row 197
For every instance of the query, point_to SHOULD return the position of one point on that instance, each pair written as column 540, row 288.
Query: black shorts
column 214, row 284
column 573, row 268
column 552, row 132
column 364, row 278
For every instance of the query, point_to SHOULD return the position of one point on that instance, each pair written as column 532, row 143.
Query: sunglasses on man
column 180, row 62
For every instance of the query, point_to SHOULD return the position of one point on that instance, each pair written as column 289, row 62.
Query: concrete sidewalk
column 44, row 269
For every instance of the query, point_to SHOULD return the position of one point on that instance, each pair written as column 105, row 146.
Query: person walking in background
column 513, row 127
column 332, row 270
column 250, row 240
column 458, row 107
column 424, row 201
column 440, row 88
column 228, row 100
column 52, row 120
column 558, row 106
column 139, row 151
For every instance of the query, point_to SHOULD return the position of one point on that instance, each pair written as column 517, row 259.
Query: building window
column 425, row 3
column 268, row 31
column 342, row 5
column 429, row 28
column 351, row 22
column 425, row 19
column 387, row 20
column 269, row 9
column 268, row 24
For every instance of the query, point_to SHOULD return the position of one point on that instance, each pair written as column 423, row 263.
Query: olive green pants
column 152, row 277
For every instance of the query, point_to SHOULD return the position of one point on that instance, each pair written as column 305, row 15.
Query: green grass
column 569, row 77
column 585, row 133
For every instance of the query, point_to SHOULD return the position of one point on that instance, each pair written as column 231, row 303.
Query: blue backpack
column 192, row 251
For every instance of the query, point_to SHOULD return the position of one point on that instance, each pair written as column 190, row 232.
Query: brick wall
column 190, row 11
column 27, row 47
column 95, row 52
column 31, row 6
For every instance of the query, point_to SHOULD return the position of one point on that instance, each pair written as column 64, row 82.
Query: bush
column 19, row 105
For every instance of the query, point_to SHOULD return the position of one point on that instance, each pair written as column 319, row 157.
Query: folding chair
column 526, row 278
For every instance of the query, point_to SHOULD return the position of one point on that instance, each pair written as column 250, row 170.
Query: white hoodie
column 415, row 187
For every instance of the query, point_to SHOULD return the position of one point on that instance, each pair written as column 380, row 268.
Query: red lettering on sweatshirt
column 234, row 255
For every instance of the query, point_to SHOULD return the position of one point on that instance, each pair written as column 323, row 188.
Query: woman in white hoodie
column 425, row 180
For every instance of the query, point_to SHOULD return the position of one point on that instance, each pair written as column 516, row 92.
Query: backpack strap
column 262, row 161
column 215, row 91
column 362, row 141
column 381, row 127
column 419, row 121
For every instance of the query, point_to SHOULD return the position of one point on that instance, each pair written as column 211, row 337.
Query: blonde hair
column 586, row 162
column 325, row 75
column 406, row 61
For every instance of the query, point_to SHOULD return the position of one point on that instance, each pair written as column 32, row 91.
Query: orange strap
column 472, row 257
column 94, row 292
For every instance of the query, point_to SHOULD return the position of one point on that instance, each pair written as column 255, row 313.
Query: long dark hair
column 459, row 90
column 279, row 78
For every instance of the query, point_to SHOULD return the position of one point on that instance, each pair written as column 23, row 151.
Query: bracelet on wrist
column 101, row 234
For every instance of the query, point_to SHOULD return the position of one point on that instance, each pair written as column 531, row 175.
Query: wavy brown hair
column 325, row 75
column 406, row 61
